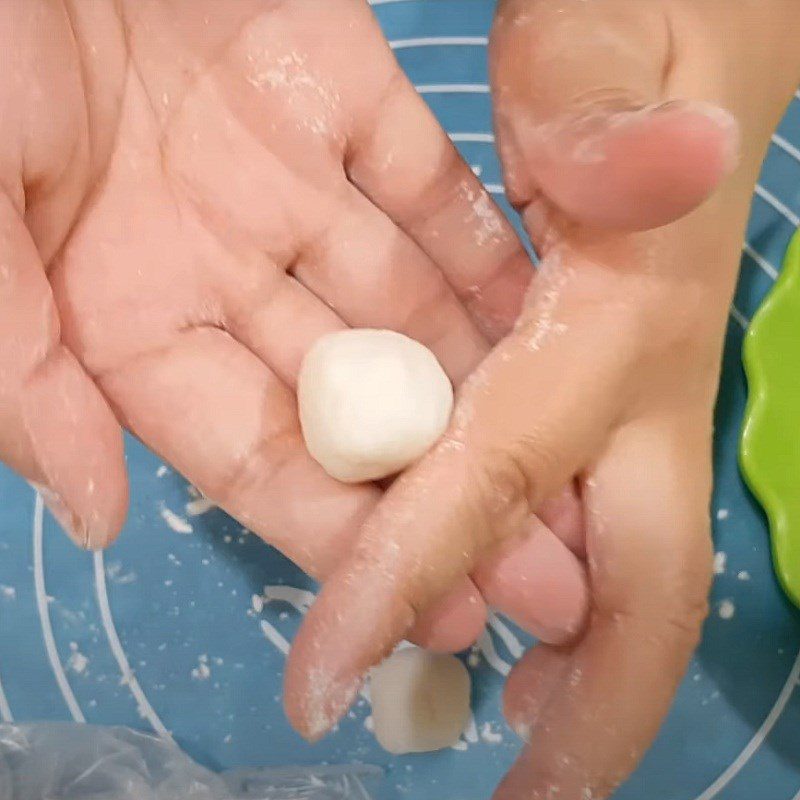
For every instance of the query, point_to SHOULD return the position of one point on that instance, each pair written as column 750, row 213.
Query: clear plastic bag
column 63, row 761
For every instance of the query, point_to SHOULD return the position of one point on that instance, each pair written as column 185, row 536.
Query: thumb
column 55, row 427
column 585, row 114
column 529, row 418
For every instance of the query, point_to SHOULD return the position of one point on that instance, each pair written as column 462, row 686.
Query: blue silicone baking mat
column 181, row 627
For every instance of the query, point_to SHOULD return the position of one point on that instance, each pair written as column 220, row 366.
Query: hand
column 608, row 379
column 191, row 194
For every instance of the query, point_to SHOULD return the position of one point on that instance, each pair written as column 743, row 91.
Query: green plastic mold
column 770, row 445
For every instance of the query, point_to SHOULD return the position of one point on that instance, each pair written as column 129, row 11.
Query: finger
column 563, row 515
column 215, row 412
column 55, row 427
column 278, row 318
column 373, row 275
column 531, row 684
column 404, row 162
column 454, row 622
column 651, row 564
column 584, row 114
column 537, row 582
column 476, row 489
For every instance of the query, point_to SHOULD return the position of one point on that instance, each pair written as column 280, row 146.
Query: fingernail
column 69, row 522
column 729, row 125
column 581, row 136
column 326, row 703
column 577, row 135
column 523, row 731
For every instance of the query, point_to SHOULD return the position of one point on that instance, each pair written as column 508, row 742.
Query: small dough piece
column 420, row 701
column 371, row 402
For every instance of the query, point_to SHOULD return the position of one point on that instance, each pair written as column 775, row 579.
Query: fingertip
column 355, row 622
column 563, row 515
column 316, row 699
column 454, row 623
column 78, row 449
column 316, row 695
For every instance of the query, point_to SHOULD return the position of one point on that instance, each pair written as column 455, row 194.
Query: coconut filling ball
column 371, row 402
column 420, row 701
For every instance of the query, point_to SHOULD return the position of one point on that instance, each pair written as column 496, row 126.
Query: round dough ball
column 420, row 701
column 371, row 402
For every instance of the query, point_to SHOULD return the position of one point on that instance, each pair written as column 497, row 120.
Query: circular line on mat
column 759, row 738
column 438, row 41
column 44, row 614
column 5, row 708
column 739, row 318
column 452, row 88
column 142, row 703
column 464, row 136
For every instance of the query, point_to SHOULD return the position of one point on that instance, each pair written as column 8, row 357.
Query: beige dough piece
column 420, row 701
column 371, row 402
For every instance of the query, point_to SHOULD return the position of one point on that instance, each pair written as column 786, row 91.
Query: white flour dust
column 77, row 661
column 727, row 610
column 176, row 522
column 202, row 672
column 199, row 506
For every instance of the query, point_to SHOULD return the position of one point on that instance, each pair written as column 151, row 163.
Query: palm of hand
column 225, row 184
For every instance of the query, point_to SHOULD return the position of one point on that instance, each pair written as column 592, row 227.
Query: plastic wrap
column 62, row 761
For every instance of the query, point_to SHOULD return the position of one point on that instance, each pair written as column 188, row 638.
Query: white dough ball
column 371, row 402
column 420, row 701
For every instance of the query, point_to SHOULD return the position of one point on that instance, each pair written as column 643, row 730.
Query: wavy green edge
column 769, row 452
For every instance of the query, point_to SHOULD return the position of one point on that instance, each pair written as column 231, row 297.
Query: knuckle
column 521, row 467
column 504, row 486
column 674, row 618
column 253, row 471
column 534, row 459
column 501, row 478
column 668, row 604
column 686, row 619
